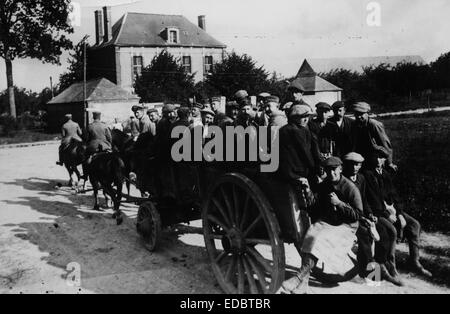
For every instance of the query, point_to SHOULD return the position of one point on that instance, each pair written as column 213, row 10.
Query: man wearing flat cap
column 369, row 252
column 142, row 122
column 337, row 207
column 154, row 117
column 385, row 203
column 323, row 130
column 342, row 130
column 196, row 115
column 369, row 134
column 69, row 131
column 299, row 155
column 273, row 116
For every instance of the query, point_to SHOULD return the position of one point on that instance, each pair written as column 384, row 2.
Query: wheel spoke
column 229, row 206
column 252, row 226
column 260, row 259
column 230, row 269
column 250, row 278
column 259, row 273
column 241, row 278
column 236, row 205
column 258, row 241
column 220, row 257
column 245, row 212
column 222, row 211
column 215, row 220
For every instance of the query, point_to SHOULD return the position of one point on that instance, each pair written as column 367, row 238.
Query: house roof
column 99, row 89
column 311, row 82
column 145, row 30
column 357, row 64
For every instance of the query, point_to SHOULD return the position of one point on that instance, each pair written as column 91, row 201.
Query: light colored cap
column 355, row 157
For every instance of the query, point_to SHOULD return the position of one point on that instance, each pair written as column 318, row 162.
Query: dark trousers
column 412, row 230
column 384, row 249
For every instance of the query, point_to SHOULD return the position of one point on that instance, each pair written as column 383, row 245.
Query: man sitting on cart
column 329, row 241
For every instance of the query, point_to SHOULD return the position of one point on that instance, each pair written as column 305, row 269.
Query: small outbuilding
column 315, row 88
column 101, row 94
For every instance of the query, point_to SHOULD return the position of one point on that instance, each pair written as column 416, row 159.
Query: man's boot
column 392, row 269
column 385, row 275
column 299, row 283
column 414, row 261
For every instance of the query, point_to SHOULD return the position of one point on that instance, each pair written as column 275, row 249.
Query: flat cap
column 300, row 110
column 198, row 105
column 354, row 157
column 208, row 111
column 68, row 116
column 338, row 105
column 149, row 111
column 332, row 162
column 323, row 106
column 241, row 94
column 264, row 95
column 272, row 99
column 216, row 99
column 361, row 107
column 296, row 85
column 137, row 107
column 168, row 108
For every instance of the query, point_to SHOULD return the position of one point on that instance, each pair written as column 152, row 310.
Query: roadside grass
column 422, row 152
column 26, row 136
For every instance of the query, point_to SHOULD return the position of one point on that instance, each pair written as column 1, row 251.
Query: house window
column 208, row 64
column 187, row 64
column 173, row 36
column 137, row 66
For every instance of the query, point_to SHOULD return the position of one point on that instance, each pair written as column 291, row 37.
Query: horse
column 136, row 156
column 107, row 170
column 123, row 144
column 71, row 157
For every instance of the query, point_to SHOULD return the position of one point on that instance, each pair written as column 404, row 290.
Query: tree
column 236, row 72
column 34, row 29
column 76, row 66
column 441, row 71
column 164, row 80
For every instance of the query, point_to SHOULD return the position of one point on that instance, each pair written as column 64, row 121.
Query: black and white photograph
column 225, row 153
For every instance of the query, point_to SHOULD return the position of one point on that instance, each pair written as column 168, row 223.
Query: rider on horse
column 98, row 136
column 70, row 131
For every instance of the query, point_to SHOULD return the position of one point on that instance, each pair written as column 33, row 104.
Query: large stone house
column 122, row 51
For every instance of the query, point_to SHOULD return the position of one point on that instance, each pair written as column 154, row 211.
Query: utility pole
column 85, row 113
column 51, row 87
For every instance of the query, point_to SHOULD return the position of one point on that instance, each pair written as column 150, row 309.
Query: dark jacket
column 367, row 138
column 323, row 135
column 350, row 212
column 299, row 157
column 361, row 184
column 342, row 136
column 380, row 189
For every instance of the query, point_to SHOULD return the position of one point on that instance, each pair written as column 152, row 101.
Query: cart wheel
column 242, row 237
column 149, row 225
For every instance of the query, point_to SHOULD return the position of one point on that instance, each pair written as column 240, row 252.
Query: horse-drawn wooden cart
column 247, row 217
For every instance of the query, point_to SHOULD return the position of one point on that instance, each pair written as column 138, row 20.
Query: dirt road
column 44, row 229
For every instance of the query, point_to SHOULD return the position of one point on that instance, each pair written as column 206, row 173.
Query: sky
column 279, row 34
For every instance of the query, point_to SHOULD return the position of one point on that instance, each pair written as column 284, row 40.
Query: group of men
column 341, row 167
column 343, row 171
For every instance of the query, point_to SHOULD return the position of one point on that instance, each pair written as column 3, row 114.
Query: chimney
column 202, row 22
column 108, row 24
column 99, row 27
